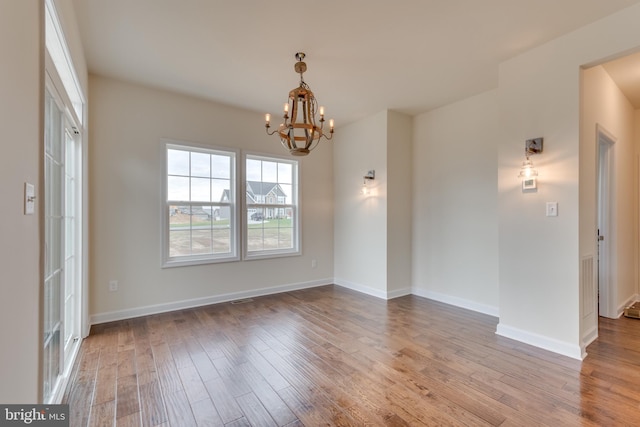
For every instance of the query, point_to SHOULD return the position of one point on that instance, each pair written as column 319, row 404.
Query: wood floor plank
column 127, row 397
column 192, row 383
column 271, row 401
column 254, row 412
column 332, row 356
column 152, row 403
column 205, row 414
column 224, row 402
column 179, row 410
column 204, row 366
column 103, row 414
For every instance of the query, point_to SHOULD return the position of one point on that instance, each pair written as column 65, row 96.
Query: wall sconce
column 371, row 175
column 528, row 172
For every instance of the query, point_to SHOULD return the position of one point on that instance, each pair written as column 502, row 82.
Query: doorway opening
column 606, row 291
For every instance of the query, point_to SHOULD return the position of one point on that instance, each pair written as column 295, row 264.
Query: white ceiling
column 362, row 55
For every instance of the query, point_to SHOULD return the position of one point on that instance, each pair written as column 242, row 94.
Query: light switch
column 552, row 208
column 29, row 198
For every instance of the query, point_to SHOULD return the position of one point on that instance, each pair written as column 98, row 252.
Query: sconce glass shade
column 527, row 170
column 364, row 190
column 370, row 176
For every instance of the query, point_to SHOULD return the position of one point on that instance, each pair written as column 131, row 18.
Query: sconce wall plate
column 533, row 146
column 529, row 184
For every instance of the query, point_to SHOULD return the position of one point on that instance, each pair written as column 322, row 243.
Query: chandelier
column 299, row 132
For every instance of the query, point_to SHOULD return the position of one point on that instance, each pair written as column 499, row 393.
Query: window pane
column 220, row 167
column 285, row 197
column 253, row 170
column 200, row 189
column 254, row 239
column 177, row 188
column 284, row 173
column 201, row 165
column 221, row 190
column 201, row 238
column 285, row 236
column 269, row 171
column 179, row 242
column 177, row 162
column 221, row 239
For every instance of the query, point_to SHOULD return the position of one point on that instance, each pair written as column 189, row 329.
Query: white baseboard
column 198, row 302
column 371, row 291
column 541, row 341
column 399, row 293
column 587, row 339
column 627, row 303
column 456, row 301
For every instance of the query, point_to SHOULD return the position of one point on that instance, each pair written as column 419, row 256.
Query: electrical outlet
column 113, row 286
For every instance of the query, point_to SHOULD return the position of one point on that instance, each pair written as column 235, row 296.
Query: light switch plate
column 29, row 199
column 552, row 208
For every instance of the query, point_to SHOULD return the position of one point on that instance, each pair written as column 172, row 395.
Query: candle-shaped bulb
column 286, row 108
column 321, row 111
column 267, row 118
column 331, row 124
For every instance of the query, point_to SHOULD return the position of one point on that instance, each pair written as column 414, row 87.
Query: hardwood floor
column 330, row 356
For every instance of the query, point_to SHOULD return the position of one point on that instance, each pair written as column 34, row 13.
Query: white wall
column 372, row 249
column 21, row 106
column 606, row 106
column 399, row 202
column 455, row 226
column 539, row 256
column 127, row 123
column 360, row 251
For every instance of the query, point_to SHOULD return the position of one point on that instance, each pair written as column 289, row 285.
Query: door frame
column 605, row 142
column 53, row 85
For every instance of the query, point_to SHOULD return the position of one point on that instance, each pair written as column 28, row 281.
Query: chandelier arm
column 324, row 135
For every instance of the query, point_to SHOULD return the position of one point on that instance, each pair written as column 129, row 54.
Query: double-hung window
column 200, row 213
column 271, row 220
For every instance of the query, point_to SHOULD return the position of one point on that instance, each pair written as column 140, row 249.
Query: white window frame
column 233, row 205
column 294, row 206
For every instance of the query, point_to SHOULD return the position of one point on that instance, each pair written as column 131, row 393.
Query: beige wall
column 399, row 202
column 539, row 256
column 372, row 250
column 605, row 106
column 455, row 226
column 127, row 123
column 21, row 105
column 360, row 250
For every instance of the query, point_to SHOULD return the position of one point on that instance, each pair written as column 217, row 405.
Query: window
column 271, row 207
column 200, row 215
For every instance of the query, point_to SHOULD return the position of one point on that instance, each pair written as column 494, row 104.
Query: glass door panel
column 54, row 239
column 63, row 258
